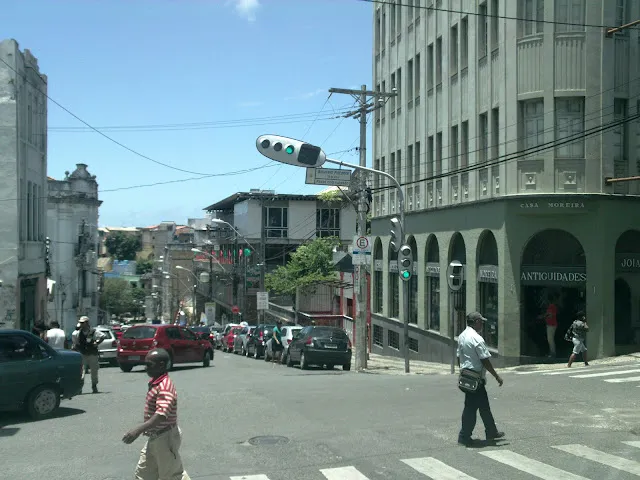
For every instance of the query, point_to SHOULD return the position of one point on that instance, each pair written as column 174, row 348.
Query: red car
column 183, row 345
column 227, row 340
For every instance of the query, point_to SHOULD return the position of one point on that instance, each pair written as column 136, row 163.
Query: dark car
column 183, row 345
column 258, row 339
column 205, row 333
column 316, row 345
column 35, row 376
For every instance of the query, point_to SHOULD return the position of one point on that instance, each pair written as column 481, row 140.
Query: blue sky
column 218, row 65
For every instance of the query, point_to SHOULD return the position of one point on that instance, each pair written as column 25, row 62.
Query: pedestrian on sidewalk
column 160, row 457
column 88, row 340
column 578, row 333
column 55, row 336
column 276, row 343
column 474, row 355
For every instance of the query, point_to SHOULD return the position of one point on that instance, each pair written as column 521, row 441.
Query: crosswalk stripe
column 343, row 473
column 435, row 469
column 623, row 380
column 532, row 467
column 602, row 458
column 531, row 372
column 632, row 443
column 606, row 374
column 251, row 477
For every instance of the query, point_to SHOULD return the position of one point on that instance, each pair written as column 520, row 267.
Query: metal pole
column 360, row 269
column 262, row 252
column 452, row 327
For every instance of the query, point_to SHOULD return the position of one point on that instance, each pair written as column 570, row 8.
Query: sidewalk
column 380, row 364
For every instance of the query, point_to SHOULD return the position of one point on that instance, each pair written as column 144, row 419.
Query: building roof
column 118, row 229
column 231, row 200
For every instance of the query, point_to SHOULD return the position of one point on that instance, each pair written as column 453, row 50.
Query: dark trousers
column 473, row 402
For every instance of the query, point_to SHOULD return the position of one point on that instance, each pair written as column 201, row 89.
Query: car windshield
column 140, row 332
column 326, row 332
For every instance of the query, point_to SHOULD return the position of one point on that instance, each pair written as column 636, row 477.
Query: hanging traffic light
column 405, row 262
column 291, row 151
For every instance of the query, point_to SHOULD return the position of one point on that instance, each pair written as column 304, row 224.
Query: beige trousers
column 92, row 361
column 160, row 458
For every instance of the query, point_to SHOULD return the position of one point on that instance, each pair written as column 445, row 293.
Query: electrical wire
column 479, row 14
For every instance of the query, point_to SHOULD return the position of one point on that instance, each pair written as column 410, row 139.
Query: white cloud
column 307, row 95
column 247, row 8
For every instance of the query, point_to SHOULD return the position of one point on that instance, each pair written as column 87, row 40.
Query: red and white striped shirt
column 162, row 399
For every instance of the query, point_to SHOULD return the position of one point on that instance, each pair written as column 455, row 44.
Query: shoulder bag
column 469, row 380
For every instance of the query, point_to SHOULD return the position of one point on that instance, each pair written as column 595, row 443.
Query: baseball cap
column 83, row 319
column 474, row 317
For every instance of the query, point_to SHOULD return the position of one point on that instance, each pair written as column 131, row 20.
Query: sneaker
column 467, row 442
column 496, row 436
column 94, row 388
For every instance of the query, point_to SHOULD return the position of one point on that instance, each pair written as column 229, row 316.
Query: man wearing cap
column 88, row 341
column 474, row 355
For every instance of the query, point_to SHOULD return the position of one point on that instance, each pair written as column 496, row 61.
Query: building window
column 328, row 222
column 410, row 81
column 276, row 222
column 430, row 156
column 532, row 14
column 483, row 134
column 409, row 11
column 392, row 100
column 378, row 288
column 532, row 123
column 392, row 23
column 495, row 133
column 413, row 344
column 622, row 16
column 495, row 12
column 399, row 91
column 398, row 172
column 433, row 302
column 453, row 55
column 464, row 145
column 376, row 178
column 438, row 61
column 378, row 31
column 570, row 124
column 384, row 30
column 483, row 31
column 454, row 149
column 489, row 308
column 384, row 106
column 394, row 285
column 439, row 153
column 464, row 43
column 409, row 171
column 393, row 338
column 570, row 15
column 430, row 63
column 378, row 336
column 416, row 85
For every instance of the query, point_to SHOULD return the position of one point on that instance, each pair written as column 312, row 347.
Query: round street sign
column 362, row 242
column 235, row 309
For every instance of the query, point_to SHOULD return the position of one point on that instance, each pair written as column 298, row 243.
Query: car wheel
column 289, row 361
column 267, row 357
column 243, row 351
column 346, row 367
column 303, row 361
column 126, row 368
column 43, row 402
column 206, row 361
column 255, row 354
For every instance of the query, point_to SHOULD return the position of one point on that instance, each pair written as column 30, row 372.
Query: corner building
column 498, row 137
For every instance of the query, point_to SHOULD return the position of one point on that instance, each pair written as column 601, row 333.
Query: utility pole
column 263, row 250
column 81, row 263
column 368, row 101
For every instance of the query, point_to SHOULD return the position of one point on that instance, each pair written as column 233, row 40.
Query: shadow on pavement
column 487, row 443
column 18, row 418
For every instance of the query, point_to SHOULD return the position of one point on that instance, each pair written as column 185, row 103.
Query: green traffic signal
column 247, row 252
column 406, row 274
column 290, row 149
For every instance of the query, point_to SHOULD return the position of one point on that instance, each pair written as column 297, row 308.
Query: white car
column 108, row 349
column 288, row 332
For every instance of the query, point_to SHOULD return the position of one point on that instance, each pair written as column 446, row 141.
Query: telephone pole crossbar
column 368, row 101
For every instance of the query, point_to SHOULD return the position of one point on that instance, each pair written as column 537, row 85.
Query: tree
column 116, row 296
column 144, row 266
column 123, row 246
column 310, row 265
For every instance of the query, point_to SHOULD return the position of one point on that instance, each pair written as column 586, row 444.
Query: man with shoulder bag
column 473, row 361
column 88, row 340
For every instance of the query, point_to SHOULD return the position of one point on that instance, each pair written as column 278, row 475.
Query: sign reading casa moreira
column 554, row 206
column 542, row 275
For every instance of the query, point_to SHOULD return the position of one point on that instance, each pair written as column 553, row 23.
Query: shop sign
column 432, row 269
column 393, row 266
column 628, row 262
column 551, row 205
column 488, row 273
column 377, row 265
column 549, row 275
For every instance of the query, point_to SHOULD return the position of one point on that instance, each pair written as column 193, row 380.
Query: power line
column 479, row 14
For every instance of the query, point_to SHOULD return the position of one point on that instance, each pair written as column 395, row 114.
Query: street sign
column 262, row 300
column 235, row 309
column 332, row 177
column 291, row 151
column 361, row 250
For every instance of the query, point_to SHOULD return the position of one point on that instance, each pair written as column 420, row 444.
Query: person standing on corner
column 88, row 341
column 474, row 355
column 160, row 457
column 551, row 321
column 578, row 332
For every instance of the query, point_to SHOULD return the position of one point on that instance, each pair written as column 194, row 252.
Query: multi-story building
column 72, row 227
column 502, row 133
column 23, row 171
column 269, row 224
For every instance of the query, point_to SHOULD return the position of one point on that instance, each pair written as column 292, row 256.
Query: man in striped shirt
column 160, row 457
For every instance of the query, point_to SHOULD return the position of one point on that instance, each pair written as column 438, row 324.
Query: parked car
column 220, row 335
column 182, row 344
column 35, row 376
column 288, row 333
column 316, row 345
column 205, row 333
column 229, row 338
column 257, row 342
column 240, row 342
column 108, row 349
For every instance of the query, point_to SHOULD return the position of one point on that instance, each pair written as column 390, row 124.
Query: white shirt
column 56, row 338
column 472, row 350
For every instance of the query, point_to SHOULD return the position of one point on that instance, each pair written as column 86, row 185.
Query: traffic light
column 291, row 151
column 405, row 262
column 397, row 235
column 247, row 252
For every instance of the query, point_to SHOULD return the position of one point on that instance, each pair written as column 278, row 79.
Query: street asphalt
column 342, row 426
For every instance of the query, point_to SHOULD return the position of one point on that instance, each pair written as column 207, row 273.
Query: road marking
column 537, row 371
column 251, row 477
column 435, row 469
column 572, row 370
column 606, row 374
column 602, row 458
column 623, row 380
column 632, row 443
column 532, row 467
column 343, row 473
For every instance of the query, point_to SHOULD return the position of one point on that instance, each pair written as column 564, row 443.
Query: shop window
column 413, row 285
column 394, row 285
column 378, row 289
column 432, row 278
column 393, row 338
column 488, row 286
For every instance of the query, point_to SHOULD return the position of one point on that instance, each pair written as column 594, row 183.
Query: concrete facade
column 498, row 127
column 23, row 167
column 72, row 212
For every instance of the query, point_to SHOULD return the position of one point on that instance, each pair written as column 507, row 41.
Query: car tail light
column 114, row 343
column 288, row 340
column 261, row 334
column 309, row 341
